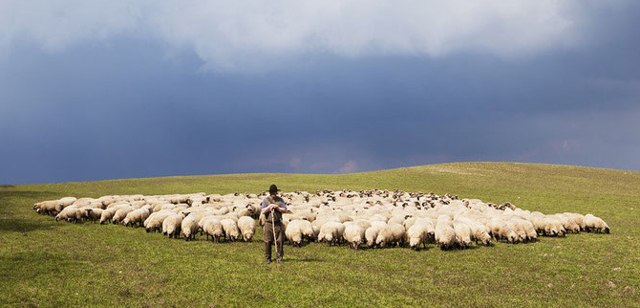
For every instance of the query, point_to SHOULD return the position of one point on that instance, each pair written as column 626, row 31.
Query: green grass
column 46, row 264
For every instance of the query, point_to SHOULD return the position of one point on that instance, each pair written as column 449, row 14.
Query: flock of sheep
column 375, row 218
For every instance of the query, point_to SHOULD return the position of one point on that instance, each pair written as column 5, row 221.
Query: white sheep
column 308, row 232
column 171, row 225
column 377, row 223
column 293, row 233
column 189, row 226
column 137, row 216
column 70, row 213
column 121, row 214
column 553, row 226
column 67, row 201
column 230, row 229
column 107, row 215
column 416, row 235
column 578, row 219
column 445, row 235
column 331, row 216
column 247, row 226
column 51, row 207
column 154, row 221
column 331, row 232
column 392, row 233
column 371, row 234
column 463, row 233
column 398, row 219
column 569, row 223
column 479, row 232
column 94, row 214
column 408, row 223
column 363, row 223
column 594, row 223
column 212, row 227
column 353, row 234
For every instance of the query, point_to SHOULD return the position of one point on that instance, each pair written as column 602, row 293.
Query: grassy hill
column 44, row 263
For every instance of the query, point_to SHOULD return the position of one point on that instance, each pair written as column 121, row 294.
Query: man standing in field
column 272, row 209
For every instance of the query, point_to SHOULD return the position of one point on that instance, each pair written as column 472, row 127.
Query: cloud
column 360, row 104
column 262, row 35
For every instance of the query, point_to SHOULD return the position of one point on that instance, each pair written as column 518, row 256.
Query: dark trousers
column 267, row 236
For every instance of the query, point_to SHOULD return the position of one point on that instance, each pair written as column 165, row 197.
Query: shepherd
column 273, row 229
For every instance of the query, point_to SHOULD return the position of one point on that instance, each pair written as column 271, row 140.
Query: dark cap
column 273, row 188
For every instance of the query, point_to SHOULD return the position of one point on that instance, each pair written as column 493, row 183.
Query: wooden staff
column 273, row 227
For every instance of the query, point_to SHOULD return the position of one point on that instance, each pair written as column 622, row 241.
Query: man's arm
column 282, row 207
column 279, row 206
column 265, row 207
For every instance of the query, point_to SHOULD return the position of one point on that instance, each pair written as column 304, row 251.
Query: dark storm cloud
column 127, row 108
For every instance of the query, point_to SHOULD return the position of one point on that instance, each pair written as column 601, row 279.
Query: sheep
column 320, row 221
column 463, row 233
column 429, row 224
column 398, row 219
column 331, row 232
column 308, row 214
column 518, row 226
column 189, row 227
column 82, row 202
column 363, row 223
column 212, row 227
column 51, row 207
column 137, row 216
column 331, row 216
column 504, row 230
column 202, row 221
column 120, row 214
column 107, row 215
column 293, row 233
column 445, row 235
column 524, row 229
column 94, row 214
column 416, row 235
column 247, row 226
column 353, row 234
column 379, row 217
column 409, row 223
column 568, row 223
column 230, row 229
column 377, row 223
column 308, row 231
column 171, row 225
column 479, row 232
column 553, row 226
column 70, row 213
column 532, row 235
column 371, row 234
column 154, row 221
column 67, row 201
column 594, row 223
column 390, row 234
column 577, row 218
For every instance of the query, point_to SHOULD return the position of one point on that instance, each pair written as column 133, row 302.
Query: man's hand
column 273, row 207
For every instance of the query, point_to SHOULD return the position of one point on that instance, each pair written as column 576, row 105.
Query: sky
column 93, row 90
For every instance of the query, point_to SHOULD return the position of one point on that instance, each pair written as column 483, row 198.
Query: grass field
column 47, row 264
